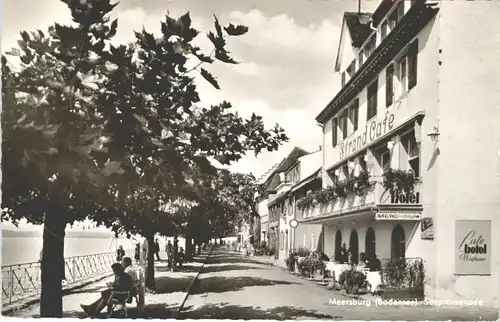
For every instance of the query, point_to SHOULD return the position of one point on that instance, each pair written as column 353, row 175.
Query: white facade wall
column 457, row 88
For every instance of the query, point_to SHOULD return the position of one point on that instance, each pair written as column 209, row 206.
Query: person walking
column 169, row 250
column 120, row 253
column 156, row 248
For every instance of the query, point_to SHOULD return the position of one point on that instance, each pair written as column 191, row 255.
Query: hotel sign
column 388, row 197
column 372, row 131
column 473, row 247
column 397, row 216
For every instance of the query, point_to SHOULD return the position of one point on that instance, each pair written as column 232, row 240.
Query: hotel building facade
column 420, row 93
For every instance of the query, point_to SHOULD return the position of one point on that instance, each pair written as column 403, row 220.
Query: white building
column 420, row 91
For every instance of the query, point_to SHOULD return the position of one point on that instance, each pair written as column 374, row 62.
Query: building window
column 401, row 10
column 372, row 100
column 412, row 64
column 370, row 242
column 334, row 131
column 351, row 69
column 360, row 57
column 370, row 45
column 354, row 114
column 383, row 30
column 389, row 85
column 393, row 19
column 402, row 74
column 384, row 158
column 407, row 68
column 412, row 151
column 343, row 123
column 343, row 79
column 398, row 242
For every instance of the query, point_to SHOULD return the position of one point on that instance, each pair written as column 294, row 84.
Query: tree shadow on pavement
column 236, row 312
column 151, row 311
column 234, row 260
column 219, row 284
column 223, row 268
column 168, row 284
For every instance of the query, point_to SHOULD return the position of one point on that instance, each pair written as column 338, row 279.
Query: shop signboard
column 388, row 197
column 427, row 228
column 398, row 216
column 473, row 247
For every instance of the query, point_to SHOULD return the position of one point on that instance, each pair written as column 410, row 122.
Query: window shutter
column 389, row 85
column 334, row 132
column 343, row 79
column 372, row 100
column 412, row 64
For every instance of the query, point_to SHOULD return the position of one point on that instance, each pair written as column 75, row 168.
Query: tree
column 113, row 132
column 50, row 134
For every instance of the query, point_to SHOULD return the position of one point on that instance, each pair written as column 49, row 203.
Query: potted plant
column 340, row 189
column 361, row 183
column 397, row 180
column 352, row 280
column 403, row 279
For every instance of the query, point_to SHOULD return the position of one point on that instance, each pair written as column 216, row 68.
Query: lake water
column 18, row 250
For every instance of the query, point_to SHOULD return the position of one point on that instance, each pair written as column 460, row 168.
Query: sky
column 287, row 58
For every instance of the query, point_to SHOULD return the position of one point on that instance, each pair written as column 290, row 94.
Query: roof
column 307, row 180
column 291, row 159
column 358, row 24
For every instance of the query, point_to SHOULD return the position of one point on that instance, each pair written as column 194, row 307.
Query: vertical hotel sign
column 473, row 247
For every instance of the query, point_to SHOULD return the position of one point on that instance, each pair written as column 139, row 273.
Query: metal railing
column 22, row 281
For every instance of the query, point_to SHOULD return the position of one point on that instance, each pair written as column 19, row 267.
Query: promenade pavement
column 171, row 290
column 231, row 286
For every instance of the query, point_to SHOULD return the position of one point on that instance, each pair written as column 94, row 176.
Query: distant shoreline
column 70, row 234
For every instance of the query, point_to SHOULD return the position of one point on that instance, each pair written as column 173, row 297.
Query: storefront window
column 398, row 242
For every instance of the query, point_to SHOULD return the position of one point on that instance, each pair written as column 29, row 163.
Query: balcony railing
column 22, row 281
column 375, row 196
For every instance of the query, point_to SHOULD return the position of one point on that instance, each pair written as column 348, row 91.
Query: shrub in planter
column 403, row 279
column 310, row 264
column 353, row 281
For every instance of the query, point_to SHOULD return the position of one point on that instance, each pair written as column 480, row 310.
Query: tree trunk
column 52, row 265
column 189, row 249
column 150, row 268
column 220, row 240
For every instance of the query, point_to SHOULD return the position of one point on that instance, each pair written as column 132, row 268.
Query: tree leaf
column 237, row 30
column 210, row 78
column 224, row 57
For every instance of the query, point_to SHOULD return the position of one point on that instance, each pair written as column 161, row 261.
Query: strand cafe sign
column 372, row 131
column 472, row 247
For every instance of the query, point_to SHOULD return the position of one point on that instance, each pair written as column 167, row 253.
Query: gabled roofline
column 340, row 49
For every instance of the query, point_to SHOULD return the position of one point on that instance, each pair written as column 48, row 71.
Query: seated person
column 122, row 283
column 375, row 265
column 127, row 265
